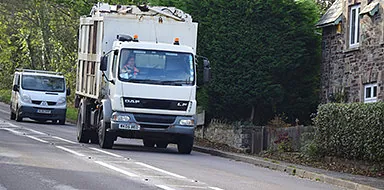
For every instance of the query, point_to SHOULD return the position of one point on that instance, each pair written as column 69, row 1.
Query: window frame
column 354, row 26
column 373, row 96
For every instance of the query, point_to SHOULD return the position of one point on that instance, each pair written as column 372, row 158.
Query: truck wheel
column 106, row 138
column 185, row 144
column 161, row 144
column 82, row 135
column 17, row 116
column 148, row 143
column 94, row 137
column 13, row 116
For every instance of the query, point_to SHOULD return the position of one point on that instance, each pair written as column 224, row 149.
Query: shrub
column 353, row 131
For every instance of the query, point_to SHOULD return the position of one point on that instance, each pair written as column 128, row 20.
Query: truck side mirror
column 103, row 63
column 15, row 88
column 68, row 91
column 207, row 71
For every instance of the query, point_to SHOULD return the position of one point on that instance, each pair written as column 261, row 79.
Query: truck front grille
column 151, row 118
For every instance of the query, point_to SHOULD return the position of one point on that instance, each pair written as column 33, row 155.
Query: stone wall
column 344, row 70
column 242, row 137
column 235, row 135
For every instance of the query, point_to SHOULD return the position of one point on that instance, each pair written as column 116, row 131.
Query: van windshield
column 43, row 83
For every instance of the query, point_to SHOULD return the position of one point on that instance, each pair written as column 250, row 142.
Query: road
column 47, row 156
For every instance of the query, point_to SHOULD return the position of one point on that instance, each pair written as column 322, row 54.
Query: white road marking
column 160, row 170
column 69, row 150
column 215, row 188
column 6, row 112
column 164, row 187
column 35, row 138
column 105, row 152
column 65, row 140
column 13, row 131
column 116, row 169
column 13, row 125
column 34, row 131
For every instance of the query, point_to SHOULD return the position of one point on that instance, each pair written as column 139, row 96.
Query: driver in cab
column 129, row 69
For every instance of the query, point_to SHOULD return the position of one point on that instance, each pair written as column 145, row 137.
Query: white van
column 39, row 95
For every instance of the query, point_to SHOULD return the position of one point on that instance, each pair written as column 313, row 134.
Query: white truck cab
column 39, row 95
column 136, row 76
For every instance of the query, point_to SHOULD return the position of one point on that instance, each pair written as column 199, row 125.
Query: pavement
column 344, row 180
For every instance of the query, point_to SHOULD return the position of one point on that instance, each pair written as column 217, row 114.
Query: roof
column 332, row 16
column 371, row 9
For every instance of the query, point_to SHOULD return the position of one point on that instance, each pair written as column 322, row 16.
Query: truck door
column 113, row 71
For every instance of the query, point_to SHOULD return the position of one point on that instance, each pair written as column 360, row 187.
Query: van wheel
column 161, row 144
column 185, row 144
column 18, row 118
column 62, row 122
column 148, row 143
column 13, row 116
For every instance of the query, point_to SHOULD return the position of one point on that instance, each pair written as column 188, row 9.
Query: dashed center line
column 160, row 170
column 65, row 140
column 35, row 138
column 13, row 131
column 71, row 151
column 105, row 152
column 215, row 188
column 116, row 169
column 164, row 187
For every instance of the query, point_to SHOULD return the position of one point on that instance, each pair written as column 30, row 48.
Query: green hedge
column 353, row 131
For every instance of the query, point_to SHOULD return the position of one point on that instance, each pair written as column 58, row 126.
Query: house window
column 370, row 93
column 354, row 26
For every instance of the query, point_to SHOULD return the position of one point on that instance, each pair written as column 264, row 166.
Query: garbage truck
column 137, row 76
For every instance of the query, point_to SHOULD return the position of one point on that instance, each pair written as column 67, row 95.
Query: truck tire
column 82, row 134
column 13, row 116
column 94, row 137
column 148, row 143
column 106, row 139
column 185, row 144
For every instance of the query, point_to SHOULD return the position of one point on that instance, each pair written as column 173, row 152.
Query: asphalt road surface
column 39, row 156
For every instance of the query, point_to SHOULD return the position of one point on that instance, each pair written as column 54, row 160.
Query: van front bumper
column 43, row 113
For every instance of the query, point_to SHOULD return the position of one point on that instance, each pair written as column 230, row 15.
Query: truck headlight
column 61, row 101
column 120, row 117
column 190, row 122
column 26, row 98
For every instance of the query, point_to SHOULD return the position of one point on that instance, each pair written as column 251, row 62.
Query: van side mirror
column 103, row 63
column 68, row 91
column 15, row 88
column 207, row 71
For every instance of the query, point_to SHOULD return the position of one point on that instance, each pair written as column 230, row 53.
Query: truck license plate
column 44, row 111
column 129, row 126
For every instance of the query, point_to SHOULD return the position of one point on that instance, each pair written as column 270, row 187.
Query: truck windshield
column 156, row 67
column 43, row 83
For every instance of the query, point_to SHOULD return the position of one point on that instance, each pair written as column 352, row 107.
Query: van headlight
column 189, row 122
column 26, row 98
column 61, row 101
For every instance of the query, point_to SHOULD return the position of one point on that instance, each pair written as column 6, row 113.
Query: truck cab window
column 156, row 67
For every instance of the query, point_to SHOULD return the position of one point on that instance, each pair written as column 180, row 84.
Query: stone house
column 352, row 68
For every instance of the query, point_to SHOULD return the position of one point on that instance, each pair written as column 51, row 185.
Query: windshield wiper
column 176, row 82
column 146, row 81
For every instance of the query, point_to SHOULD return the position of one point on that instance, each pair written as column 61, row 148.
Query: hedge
column 352, row 131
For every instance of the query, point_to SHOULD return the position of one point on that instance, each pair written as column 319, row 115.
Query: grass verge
column 5, row 95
